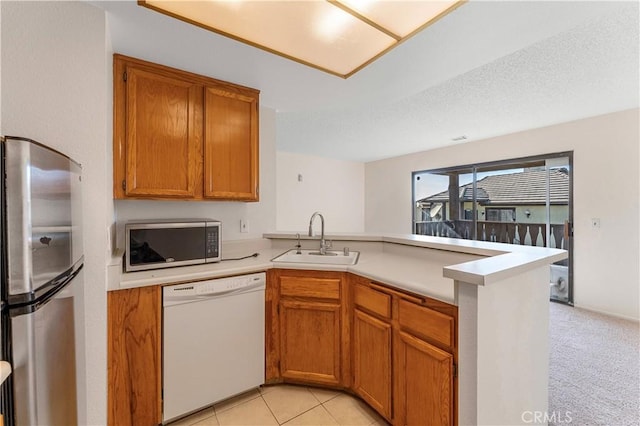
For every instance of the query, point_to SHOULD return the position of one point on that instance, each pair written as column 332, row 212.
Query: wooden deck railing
column 529, row 234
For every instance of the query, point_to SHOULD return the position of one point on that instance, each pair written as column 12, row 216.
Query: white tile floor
column 287, row 405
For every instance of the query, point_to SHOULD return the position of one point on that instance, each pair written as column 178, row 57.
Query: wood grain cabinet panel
column 179, row 135
column 230, row 145
column 310, row 336
column 311, row 287
column 396, row 350
column 308, row 328
column 425, row 383
column 372, row 300
column 426, row 322
column 134, row 357
column 371, row 348
column 163, row 136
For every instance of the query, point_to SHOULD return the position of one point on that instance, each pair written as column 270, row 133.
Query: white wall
column 606, row 186
column 56, row 77
column 54, row 81
column 335, row 188
column 260, row 215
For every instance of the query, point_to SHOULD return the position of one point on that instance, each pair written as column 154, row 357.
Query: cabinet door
column 425, row 383
column 310, row 341
column 163, row 135
column 134, row 357
column 231, row 145
column 372, row 361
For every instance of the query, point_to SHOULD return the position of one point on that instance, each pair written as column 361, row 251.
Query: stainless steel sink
column 337, row 257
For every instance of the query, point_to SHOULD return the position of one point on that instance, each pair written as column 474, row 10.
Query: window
column 524, row 201
column 501, row 214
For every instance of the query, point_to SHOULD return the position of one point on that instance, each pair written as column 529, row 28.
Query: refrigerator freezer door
column 44, row 371
column 43, row 217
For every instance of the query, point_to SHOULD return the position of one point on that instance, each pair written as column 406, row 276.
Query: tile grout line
column 260, row 394
column 269, row 408
column 301, row 413
column 329, row 412
column 298, row 415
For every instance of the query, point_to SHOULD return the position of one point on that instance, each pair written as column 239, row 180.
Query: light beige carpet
column 594, row 368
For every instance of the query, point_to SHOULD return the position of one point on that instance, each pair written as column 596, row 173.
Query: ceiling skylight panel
column 339, row 37
column 401, row 17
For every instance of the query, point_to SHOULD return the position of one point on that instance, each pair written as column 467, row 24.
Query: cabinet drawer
column 426, row 322
column 320, row 288
column 372, row 300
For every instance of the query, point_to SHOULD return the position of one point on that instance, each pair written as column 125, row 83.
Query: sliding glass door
column 522, row 201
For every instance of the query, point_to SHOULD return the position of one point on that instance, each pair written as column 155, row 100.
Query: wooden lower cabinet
column 307, row 321
column 395, row 350
column 424, row 374
column 371, row 348
column 134, row 360
column 310, row 348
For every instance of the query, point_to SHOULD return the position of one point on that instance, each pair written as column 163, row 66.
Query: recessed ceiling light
column 337, row 36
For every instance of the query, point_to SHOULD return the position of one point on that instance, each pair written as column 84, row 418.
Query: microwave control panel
column 212, row 242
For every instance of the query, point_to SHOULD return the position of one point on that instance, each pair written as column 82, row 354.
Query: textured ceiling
column 486, row 69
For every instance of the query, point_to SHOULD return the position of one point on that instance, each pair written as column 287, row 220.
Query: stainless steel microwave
column 165, row 244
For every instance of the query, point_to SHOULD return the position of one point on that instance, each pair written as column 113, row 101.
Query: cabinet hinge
column 124, row 185
column 124, row 76
column 455, row 371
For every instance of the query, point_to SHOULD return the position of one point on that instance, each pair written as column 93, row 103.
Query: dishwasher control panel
column 227, row 284
column 185, row 293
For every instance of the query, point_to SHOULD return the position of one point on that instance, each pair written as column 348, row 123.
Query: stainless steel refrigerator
column 41, row 243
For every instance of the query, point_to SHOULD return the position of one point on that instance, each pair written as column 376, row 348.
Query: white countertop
column 197, row 272
column 411, row 270
column 499, row 260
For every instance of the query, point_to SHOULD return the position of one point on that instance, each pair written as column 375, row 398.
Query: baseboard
column 611, row 314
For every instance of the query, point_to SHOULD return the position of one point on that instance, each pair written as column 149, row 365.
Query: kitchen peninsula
column 498, row 294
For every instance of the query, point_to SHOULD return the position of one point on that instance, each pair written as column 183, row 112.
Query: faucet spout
column 323, row 246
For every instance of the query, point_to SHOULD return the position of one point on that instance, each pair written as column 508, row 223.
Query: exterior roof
column 527, row 187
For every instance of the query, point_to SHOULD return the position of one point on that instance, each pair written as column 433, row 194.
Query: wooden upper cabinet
column 163, row 135
column 231, row 144
column 179, row 135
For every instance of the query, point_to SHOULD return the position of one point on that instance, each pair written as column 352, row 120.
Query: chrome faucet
column 323, row 244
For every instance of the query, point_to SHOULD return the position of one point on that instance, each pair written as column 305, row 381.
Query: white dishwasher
column 213, row 341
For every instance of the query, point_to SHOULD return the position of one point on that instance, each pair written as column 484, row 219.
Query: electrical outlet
column 244, row 226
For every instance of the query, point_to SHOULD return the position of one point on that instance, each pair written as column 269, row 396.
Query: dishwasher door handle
column 169, row 300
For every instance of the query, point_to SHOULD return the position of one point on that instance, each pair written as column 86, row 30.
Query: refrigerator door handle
column 46, row 291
